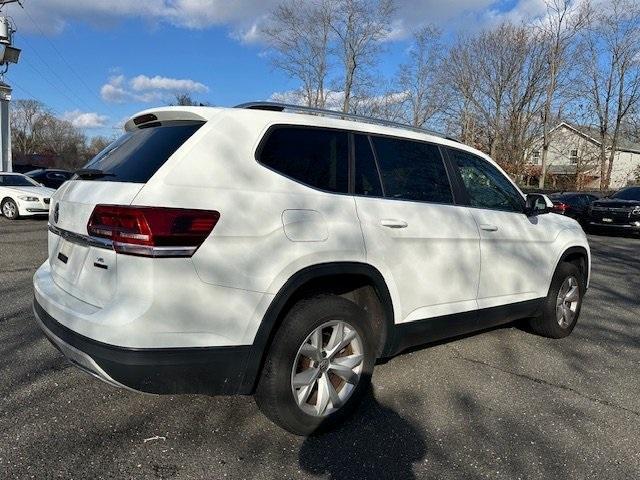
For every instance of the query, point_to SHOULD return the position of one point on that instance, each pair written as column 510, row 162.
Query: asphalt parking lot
column 500, row 404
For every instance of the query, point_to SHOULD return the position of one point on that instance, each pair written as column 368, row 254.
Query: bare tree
column 35, row 130
column 497, row 78
column 557, row 32
column 300, row 35
column 611, row 84
column 184, row 99
column 360, row 26
column 418, row 78
column 26, row 115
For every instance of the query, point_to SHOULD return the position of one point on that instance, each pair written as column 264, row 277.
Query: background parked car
column 619, row 211
column 22, row 196
column 50, row 177
column 572, row 204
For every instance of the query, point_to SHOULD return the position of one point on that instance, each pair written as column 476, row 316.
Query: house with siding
column 573, row 159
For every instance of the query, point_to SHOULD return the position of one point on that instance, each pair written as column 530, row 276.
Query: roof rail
column 281, row 107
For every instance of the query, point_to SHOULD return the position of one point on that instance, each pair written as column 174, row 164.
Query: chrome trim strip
column 612, row 209
column 132, row 249
column 81, row 239
column 127, row 248
column 616, row 225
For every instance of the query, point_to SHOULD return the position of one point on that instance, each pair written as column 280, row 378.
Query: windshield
column 17, row 181
column 628, row 194
column 137, row 155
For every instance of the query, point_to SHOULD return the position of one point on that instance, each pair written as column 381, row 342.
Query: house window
column 535, row 155
column 573, row 157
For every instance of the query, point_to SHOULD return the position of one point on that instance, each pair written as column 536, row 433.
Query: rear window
column 137, row 155
column 316, row 157
column 628, row 194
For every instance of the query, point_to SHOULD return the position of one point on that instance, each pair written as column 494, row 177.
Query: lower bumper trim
column 615, row 225
column 203, row 370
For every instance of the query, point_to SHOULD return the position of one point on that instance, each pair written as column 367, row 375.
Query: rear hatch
column 80, row 264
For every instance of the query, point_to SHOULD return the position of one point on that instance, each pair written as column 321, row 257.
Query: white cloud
column 145, row 89
column 114, row 91
column 334, row 101
column 244, row 16
column 85, row 119
column 143, row 83
column 52, row 16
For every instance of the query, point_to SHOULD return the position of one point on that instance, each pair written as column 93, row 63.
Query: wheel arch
column 342, row 278
column 579, row 256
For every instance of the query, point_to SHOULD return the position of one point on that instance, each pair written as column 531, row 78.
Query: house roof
column 591, row 134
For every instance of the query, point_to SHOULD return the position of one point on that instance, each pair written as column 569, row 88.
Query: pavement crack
column 18, row 270
column 540, row 381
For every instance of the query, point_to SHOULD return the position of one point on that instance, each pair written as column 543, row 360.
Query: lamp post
column 5, row 128
column 8, row 54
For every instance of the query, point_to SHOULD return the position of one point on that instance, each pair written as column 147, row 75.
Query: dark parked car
column 50, row 177
column 572, row 204
column 620, row 211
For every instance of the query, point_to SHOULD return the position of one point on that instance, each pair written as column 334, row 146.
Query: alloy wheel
column 9, row 210
column 567, row 302
column 327, row 368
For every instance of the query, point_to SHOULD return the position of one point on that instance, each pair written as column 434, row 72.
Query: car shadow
column 376, row 443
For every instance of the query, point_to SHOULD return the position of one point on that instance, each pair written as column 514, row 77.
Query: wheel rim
column 327, row 368
column 9, row 209
column 567, row 302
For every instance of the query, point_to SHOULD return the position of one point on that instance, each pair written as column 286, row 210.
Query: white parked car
column 21, row 196
column 278, row 251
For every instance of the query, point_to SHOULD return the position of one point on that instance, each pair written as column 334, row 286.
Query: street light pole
column 5, row 128
column 8, row 54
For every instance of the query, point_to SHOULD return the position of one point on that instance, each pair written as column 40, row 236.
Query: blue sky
column 96, row 63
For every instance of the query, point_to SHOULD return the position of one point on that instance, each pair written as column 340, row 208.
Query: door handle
column 392, row 223
column 488, row 227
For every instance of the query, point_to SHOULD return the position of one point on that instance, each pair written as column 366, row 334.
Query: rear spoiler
column 149, row 117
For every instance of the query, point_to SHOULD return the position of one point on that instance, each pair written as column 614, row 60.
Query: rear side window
column 136, row 156
column 412, row 170
column 316, row 157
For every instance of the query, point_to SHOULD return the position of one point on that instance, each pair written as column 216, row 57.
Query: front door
column 515, row 248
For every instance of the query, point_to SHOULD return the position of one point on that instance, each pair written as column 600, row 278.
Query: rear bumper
column 204, row 370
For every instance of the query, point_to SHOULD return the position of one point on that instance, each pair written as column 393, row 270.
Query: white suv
column 278, row 251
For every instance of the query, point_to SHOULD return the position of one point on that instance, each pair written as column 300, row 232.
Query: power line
column 55, row 87
column 58, row 77
column 69, row 66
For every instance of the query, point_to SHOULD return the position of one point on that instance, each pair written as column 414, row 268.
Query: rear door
column 115, row 176
column 413, row 232
column 515, row 249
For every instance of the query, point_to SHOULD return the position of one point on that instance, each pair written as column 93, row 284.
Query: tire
column 559, row 319
column 10, row 209
column 298, row 333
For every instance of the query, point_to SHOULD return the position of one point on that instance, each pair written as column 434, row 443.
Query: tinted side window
column 412, row 170
column 315, row 157
column 367, row 180
column 486, row 185
column 136, row 156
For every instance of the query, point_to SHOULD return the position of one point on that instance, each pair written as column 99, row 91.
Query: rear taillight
column 152, row 231
column 560, row 207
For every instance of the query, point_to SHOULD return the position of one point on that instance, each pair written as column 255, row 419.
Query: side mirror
column 537, row 204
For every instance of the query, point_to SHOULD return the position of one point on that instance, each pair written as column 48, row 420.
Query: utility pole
column 8, row 54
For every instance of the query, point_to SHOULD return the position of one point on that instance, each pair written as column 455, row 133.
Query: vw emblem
column 56, row 213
